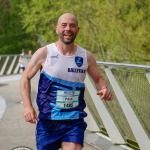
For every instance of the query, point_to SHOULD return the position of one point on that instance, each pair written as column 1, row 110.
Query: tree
column 12, row 37
column 109, row 28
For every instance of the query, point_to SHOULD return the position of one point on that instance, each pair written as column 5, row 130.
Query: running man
column 60, row 96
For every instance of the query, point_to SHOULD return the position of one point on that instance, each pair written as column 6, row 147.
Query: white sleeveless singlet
column 61, row 85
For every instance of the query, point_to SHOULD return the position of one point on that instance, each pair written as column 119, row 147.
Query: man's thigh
column 71, row 146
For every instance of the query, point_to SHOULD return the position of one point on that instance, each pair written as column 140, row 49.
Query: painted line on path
column 10, row 78
column 2, row 107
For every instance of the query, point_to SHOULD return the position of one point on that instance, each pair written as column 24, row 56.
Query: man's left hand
column 105, row 94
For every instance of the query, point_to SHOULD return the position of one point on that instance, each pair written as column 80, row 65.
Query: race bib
column 67, row 99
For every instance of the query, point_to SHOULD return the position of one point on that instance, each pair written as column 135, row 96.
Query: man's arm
column 98, row 79
column 32, row 68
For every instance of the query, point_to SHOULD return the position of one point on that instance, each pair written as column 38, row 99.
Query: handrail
column 145, row 67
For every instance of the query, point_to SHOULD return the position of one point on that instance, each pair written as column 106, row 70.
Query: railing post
column 148, row 76
column 16, row 69
column 4, row 66
column 91, row 123
column 12, row 65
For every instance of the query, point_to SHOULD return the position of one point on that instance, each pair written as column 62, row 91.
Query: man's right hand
column 30, row 115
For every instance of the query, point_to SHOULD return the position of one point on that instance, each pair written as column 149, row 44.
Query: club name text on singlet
column 76, row 70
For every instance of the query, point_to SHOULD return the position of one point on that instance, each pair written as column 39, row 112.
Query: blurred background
column 114, row 30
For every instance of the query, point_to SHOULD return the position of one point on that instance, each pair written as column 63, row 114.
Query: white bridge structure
column 125, row 120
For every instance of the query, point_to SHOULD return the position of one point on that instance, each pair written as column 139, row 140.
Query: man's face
column 67, row 29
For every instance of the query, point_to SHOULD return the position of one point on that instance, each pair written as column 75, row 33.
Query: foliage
column 114, row 30
column 12, row 37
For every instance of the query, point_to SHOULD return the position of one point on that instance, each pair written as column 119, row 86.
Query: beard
column 67, row 39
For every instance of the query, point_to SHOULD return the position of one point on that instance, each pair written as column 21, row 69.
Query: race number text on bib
column 67, row 99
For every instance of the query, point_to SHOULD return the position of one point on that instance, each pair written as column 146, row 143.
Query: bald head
column 67, row 28
column 67, row 16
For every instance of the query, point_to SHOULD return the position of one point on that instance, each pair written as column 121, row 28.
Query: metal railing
column 125, row 119
column 9, row 64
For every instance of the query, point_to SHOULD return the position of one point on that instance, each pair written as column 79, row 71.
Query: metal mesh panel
column 137, row 90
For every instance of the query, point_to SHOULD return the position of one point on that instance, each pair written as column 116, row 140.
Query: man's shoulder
column 88, row 53
column 84, row 49
column 81, row 48
column 51, row 45
column 42, row 51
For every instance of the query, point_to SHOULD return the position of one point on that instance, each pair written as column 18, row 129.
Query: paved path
column 14, row 131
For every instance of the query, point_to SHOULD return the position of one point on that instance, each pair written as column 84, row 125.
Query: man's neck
column 66, row 49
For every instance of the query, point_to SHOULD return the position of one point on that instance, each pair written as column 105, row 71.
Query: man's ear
column 78, row 29
column 56, row 30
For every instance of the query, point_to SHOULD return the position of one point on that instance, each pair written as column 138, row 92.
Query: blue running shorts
column 51, row 133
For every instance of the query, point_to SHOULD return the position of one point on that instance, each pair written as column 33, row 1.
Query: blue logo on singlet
column 79, row 61
column 54, row 56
